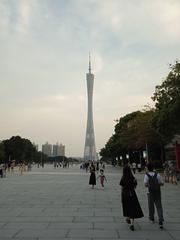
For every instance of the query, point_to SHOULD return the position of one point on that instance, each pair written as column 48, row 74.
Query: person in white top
column 153, row 181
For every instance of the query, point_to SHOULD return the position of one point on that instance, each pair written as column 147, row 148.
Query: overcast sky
column 44, row 47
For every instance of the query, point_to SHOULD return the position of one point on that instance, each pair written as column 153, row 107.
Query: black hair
column 127, row 171
column 150, row 167
column 127, row 178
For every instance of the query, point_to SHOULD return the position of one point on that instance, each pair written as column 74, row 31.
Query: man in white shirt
column 153, row 181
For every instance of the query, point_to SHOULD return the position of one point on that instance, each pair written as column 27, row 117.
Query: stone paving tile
column 106, row 214
column 22, row 225
column 175, row 234
column 80, row 214
column 148, row 226
column 2, row 224
column 122, row 238
column 11, row 213
column 172, row 226
column 161, row 234
column 92, row 233
column 80, row 225
column 29, row 209
column 24, row 238
column 84, row 238
column 173, row 219
column 94, row 219
column 114, row 226
column 8, row 233
column 36, row 233
column 36, row 219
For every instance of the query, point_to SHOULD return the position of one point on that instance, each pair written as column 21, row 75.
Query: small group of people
column 7, row 167
column 11, row 166
column 130, row 204
column 170, row 173
column 98, row 165
column 92, row 178
column 135, row 167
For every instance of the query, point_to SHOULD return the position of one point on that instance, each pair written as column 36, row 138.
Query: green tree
column 167, row 103
column 2, row 154
column 133, row 133
column 20, row 149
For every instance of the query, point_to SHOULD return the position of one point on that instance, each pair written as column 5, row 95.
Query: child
column 102, row 177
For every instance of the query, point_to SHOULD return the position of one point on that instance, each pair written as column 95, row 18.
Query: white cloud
column 5, row 14
column 58, row 98
column 24, row 15
column 167, row 16
column 97, row 62
column 156, row 22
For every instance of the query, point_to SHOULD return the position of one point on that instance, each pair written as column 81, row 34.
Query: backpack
column 154, row 185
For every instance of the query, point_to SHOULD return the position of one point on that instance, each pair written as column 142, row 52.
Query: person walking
column 134, row 167
column 139, row 167
column 1, row 170
column 102, row 177
column 166, row 171
column 130, row 203
column 173, row 174
column 97, row 167
column 153, row 181
column 92, row 178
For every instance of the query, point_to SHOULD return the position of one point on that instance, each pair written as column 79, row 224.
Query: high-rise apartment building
column 47, row 149
column 58, row 150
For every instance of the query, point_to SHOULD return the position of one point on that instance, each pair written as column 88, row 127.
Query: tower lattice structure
column 90, row 148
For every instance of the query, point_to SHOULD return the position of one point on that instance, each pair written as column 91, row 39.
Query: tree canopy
column 167, row 103
column 133, row 133
column 2, row 153
column 19, row 149
column 151, row 127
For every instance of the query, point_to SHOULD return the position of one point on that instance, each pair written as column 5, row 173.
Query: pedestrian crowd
column 130, row 203
column 170, row 173
column 11, row 166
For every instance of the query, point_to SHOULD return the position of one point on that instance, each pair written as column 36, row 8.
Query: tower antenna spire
column 89, row 63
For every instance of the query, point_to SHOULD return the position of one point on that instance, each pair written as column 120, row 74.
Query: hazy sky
column 44, row 47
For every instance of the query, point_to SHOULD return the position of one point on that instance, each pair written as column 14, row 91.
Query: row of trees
column 22, row 150
column 150, row 129
column 19, row 149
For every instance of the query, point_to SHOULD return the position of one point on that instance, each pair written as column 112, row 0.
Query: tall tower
column 90, row 148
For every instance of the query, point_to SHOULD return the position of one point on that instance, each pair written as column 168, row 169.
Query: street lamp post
column 127, row 157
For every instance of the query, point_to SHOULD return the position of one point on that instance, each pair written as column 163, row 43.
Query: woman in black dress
column 92, row 179
column 130, row 203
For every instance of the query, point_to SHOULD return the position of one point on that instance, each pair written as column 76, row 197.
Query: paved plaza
column 59, row 204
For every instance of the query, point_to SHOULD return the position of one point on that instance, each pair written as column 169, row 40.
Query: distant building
column 58, row 150
column 47, row 149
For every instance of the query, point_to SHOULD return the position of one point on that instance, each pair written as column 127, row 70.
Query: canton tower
column 90, row 148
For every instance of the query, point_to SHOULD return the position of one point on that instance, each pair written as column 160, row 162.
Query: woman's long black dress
column 130, row 203
column 92, row 179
